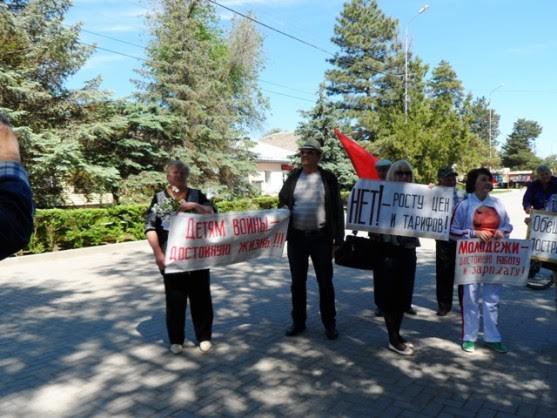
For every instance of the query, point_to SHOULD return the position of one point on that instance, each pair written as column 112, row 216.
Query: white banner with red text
column 202, row 241
column 399, row 208
column 542, row 230
column 504, row 261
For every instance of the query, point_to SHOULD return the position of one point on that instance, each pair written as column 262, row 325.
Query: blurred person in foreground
column 179, row 287
column 16, row 200
column 395, row 272
column 484, row 217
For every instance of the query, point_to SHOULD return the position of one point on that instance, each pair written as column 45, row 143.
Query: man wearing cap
column 445, row 253
column 316, row 226
column 382, row 167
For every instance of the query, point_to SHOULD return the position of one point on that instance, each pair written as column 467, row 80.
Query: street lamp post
column 489, row 104
column 423, row 9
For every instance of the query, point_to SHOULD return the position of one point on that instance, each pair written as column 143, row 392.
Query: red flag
column 362, row 160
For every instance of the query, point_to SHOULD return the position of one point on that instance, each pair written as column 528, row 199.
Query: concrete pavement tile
column 412, row 414
column 453, row 403
column 544, row 411
column 433, row 408
column 392, row 411
column 486, row 413
column 407, row 405
column 457, row 412
column 526, row 410
column 473, row 404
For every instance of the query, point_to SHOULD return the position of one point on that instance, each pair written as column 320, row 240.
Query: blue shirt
column 16, row 208
column 536, row 197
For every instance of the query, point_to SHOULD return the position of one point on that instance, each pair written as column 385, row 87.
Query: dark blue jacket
column 16, row 208
column 536, row 197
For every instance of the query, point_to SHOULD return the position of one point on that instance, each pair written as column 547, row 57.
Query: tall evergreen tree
column 211, row 92
column 38, row 54
column 476, row 114
column 518, row 150
column 445, row 87
column 477, row 110
column 367, row 42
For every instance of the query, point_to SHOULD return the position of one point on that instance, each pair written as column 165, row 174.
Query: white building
column 273, row 162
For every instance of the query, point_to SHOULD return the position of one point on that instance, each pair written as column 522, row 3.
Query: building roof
column 270, row 153
column 284, row 140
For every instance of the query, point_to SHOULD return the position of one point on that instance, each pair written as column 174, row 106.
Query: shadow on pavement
column 96, row 346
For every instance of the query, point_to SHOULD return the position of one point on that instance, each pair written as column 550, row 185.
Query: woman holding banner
column 395, row 271
column 484, row 217
column 195, row 285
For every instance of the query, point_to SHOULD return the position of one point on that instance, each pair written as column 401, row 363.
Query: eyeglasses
column 403, row 173
column 307, row 152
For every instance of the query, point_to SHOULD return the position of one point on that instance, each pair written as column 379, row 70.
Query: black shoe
column 378, row 312
column 443, row 312
column 411, row 311
column 294, row 330
column 331, row 333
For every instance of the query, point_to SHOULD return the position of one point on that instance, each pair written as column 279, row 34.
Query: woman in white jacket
column 481, row 216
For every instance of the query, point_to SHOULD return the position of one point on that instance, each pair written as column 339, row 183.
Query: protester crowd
column 315, row 231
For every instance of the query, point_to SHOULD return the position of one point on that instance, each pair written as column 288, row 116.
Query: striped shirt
column 308, row 212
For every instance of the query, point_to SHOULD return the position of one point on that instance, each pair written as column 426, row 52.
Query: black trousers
column 445, row 257
column 394, row 286
column 319, row 247
column 195, row 286
column 394, row 278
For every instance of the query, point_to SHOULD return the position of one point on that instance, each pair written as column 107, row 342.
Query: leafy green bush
column 62, row 229
column 259, row 202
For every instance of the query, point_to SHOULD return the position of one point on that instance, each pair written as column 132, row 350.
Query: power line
column 286, row 87
column 145, row 60
column 112, row 38
column 113, row 52
column 287, row 34
column 272, row 28
column 288, row 95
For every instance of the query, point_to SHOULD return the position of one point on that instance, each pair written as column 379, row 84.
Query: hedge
column 62, row 229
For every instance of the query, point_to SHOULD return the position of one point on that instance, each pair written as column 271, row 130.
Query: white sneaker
column 205, row 346
column 176, row 348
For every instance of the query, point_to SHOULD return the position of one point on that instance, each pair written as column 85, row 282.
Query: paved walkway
column 82, row 335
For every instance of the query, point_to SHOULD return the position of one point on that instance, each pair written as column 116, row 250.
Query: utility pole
column 423, row 9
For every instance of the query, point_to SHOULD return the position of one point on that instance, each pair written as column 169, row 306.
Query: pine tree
column 518, row 151
column 445, row 87
column 208, row 86
column 38, row 54
column 367, row 41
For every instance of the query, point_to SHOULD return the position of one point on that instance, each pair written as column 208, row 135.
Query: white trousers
column 471, row 311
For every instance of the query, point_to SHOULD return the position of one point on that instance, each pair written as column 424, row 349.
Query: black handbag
column 357, row 252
